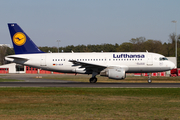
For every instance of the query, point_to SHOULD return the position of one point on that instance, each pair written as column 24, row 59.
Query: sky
column 77, row 22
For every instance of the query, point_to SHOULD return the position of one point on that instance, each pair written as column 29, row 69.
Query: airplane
column 114, row 65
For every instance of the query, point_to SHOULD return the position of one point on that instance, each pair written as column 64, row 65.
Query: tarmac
column 37, row 80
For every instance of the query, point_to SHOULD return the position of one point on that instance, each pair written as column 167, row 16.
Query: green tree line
column 140, row 44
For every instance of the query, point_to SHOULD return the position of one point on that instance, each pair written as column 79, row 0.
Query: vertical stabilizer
column 21, row 41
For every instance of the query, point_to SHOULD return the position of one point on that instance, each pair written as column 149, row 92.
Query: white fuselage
column 131, row 62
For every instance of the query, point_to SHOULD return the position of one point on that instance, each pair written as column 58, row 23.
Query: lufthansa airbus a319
column 114, row 65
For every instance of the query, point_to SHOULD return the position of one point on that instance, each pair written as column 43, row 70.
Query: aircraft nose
column 172, row 65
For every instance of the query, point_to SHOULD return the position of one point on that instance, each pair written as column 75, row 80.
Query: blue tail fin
column 21, row 42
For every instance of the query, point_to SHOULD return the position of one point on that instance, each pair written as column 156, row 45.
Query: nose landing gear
column 149, row 80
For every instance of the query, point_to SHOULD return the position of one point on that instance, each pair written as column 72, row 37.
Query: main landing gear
column 93, row 79
column 149, row 80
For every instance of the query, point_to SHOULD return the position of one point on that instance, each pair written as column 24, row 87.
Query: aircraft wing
column 88, row 65
column 96, row 67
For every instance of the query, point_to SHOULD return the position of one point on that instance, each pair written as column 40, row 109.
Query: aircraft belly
column 144, row 69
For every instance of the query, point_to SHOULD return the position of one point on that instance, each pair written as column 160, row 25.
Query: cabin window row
column 126, row 59
column 109, row 59
column 91, row 59
column 58, row 59
column 101, row 59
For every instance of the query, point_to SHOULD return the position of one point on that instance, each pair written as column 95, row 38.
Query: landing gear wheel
column 93, row 80
column 149, row 80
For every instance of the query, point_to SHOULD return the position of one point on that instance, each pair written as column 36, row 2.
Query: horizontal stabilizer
column 20, row 58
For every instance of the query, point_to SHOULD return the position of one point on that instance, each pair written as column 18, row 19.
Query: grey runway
column 30, row 80
column 89, row 85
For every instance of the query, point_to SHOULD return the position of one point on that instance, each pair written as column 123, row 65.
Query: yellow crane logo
column 19, row 38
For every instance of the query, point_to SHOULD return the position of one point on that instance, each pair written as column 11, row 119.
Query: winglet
column 21, row 41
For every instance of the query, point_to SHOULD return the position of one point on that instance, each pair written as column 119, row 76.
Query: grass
column 128, row 79
column 89, row 103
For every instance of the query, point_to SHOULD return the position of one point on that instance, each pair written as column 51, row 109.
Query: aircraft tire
column 149, row 80
column 93, row 80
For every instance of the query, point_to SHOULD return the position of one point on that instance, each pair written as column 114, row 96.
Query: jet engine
column 117, row 74
column 114, row 73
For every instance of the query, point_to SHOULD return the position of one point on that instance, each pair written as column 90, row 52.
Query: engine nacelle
column 117, row 73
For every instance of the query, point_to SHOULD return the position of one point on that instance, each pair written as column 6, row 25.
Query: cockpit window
column 163, row 58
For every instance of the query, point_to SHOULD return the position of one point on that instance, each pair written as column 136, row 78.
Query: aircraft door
column 43, row 61
column 150, row 59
